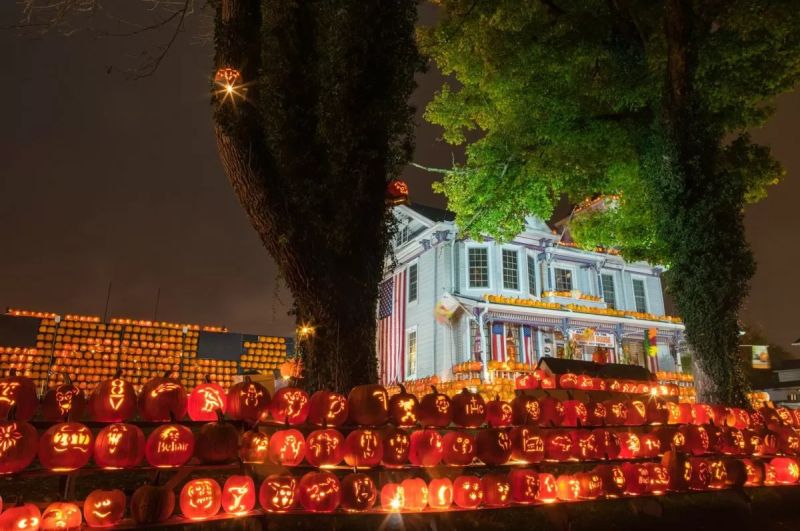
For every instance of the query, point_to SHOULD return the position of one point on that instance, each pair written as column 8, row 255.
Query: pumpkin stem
column 12, row 372
column 168, row 373
column 67, row 379
column 402, row 388
column 434, row 389
column 497, row 398
column 220, row 415
column 207, row 378
column 172, row 416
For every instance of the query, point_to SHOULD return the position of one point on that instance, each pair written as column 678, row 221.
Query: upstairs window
column 411, row 353
column 609, row 291
column 510, row 270
column 563, row 279
column 639, row 295
column 413, row 283
column 532, row 276
column 403, row 235
column 478, row 265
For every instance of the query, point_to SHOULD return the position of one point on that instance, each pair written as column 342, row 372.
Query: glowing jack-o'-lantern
column 630, row 445
column 61, row 515
column 698, row 439
column 787, row 471
column 586, row 382
column 552, row 411
column 20, row 392
column 416, row 494
column 568, row 487
column 162, row 399
column 656, row 411
column 247, row 400
column 287, row 447
column 467, row 492
column 169, row 446
column 469, row 409
column 499, row 414
column 62, row 401
column 637, row 413
column 363, row 447
column 278, row 493
column 368, row 405
column 637, row 478
column 548, row 490
column 459, row 448
column 324, row 447
column 673, row 413
column 526, row 381
column 104, row 508
column 679, row 469
column 616, row 412
column 650, row 445
column 496, row 490
column 200, row 499
column 113, row 400
column 254, row 447
column 586, row 445
column 596, row 413
column 403, row 408
column 18, row 445
column 558, row 446
column 435, row 409
column 703, row 414
column 494, row 446
column 608, row 444
column 527, row 444
column 440, row 493
column 319, row 492
column 119, row 445
column 575, row 413
column 613, row 479
column 590, row 485
column 393, row 497
column 205, row 400
column 659, row 478
column 65, row 446
column 568, row 381
column 238, row 495
column 700, row 474
column 524, row 485
column 732, row 442
column 358, row 493
column 737, row 418
column 396, row 445
column 326, row 408
column 26, row 516
column 525, row 410
column 427, row 448
column 719, row 474
column 289, row 405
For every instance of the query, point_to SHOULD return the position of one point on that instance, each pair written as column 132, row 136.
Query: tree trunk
column 321, row 126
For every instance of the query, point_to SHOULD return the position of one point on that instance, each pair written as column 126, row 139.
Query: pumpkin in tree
column 65, row 446
column 151, row 504
column 119, row 445
column 113, row 400
column 205, row 400
column 290, row 406
column 18, row 392
column 217, row 442
column 163, row 399
column 247, row 400
column 326, row 408
column 62, row 401
column 403, row 409
column 368, row 405
column 469, row 409
column 435, row 410
column 104, row 508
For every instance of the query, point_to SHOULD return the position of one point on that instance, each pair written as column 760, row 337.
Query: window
column 532, row 275
column 563, row 279
column 412, row 283
column 609, row 294
column 510, row 269
column 639, row 296
column 478, row 263
column 411, row 353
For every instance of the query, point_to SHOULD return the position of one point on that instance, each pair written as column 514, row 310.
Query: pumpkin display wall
column 278, row 493
column 119, row 445
column 200, row 499
column 20, row 392
column 363, row 448
column 254, row 447
column 403, row 408
column 247, row 400
column 113, row 400
column 62, row 401
column 238, row 495
column 319, row 492
column 326, row 408
column 290, row 406
column 151, row 504
column 104, row 508
column 65, row 446
column 469, row 409
column 22, row 517
column 368, row 405
column 358, row 493
column 205, row 400
column 61, row 515
column 163, row 399
column 287, row 447
column 168, row 446
column 435, row 410
column 19, row 443
column 217, row 442
column 324, row 447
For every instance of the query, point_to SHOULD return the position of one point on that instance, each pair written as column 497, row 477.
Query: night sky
column 108, row 179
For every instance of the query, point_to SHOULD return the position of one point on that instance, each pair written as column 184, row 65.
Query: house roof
column 433, row 213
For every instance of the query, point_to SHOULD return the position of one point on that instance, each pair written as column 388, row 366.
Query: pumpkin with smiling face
column 104, row 508
column 435, row 410
column 61, row 515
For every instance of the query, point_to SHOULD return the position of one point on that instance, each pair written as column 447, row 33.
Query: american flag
column 498, row 342
column 528, row 355
column 392, row 328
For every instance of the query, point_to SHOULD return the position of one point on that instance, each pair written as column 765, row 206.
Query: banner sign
column 592, row 338
column 446, row 306
column 760, row 356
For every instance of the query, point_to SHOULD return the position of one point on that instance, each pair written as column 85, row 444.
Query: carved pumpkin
column 22, row 517
column 637, row 413
column 238, row 495
column 558, row 446
column 732, row 442
column 650, row 445
column 613, row 479
column 719, row 474
column 616, row 412
column 575, row 413
column 548, row 489
column 435, row 410
column 737, row 418
column 459, row 448
column 278, row 493
column 19, row 442
column 163, row 399
column 62, row 401
column 254, row 447
column 200, row 499
column 326, row 408
column 403, row 408
column 289, row 405
column 590, row 485
column 467, row 492
column 679, row 469
column 494, row 446
column 608, row 444
column 700, row 474
column 788, row 440
column 787, row 471
column 469, row 409
column 524, row 485
column 595, row 413
column 358, row 493
column 151, row 504
column 287, row 447
column 770, row 476
column 496, row 490
column 319, row 492
column 568, row 487
column 368, row 405
column 363, row 447
column 498, row 413
column 65, row 446
column 703, row 414
column 217, row 442
column 113, row 400
column 754, row 472
column 526, row 381
column 393, row 497
column 19, row 391
column 552, row 411
column 415, row 491
column 119, row 445
column 637, row 478
column 104, row 508
column 568, row 381
column 659, row 478
column 673, row 413
column 698, row 439
column 586, row 447
column 630, row 445
column 656, row 411
column 247, row 400
column 324, row 447
column 61, row 515
column 527, row 444
column 169, row 446
column 440, row 493
column 396, row 445
column 525, row 410
column 205, row 400
column 427, row 448
column 586, row 382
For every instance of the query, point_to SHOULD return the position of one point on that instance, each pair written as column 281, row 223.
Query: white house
column 521, row 300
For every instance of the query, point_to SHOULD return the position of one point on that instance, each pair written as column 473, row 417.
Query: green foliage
column 648, row 101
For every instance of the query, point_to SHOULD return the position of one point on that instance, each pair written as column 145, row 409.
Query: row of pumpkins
column 324, row 492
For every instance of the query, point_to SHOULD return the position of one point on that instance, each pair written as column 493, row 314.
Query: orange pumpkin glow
column 200, row 499
column 278, row 493
column 104, row 508
column 238, row 495
column 287, row 447
column 440, row 493
column 61, row 515
column 65, row 446
column 319, row 492
column 358, row 493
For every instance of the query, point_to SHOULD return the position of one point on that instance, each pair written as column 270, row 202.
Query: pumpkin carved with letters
column 168, row 446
